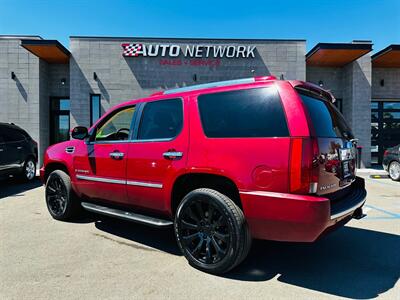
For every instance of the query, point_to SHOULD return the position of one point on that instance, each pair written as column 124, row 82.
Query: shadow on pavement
column 16, row 187
column 162, row 239
column 351, row 262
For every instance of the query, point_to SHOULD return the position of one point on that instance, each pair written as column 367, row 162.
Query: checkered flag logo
column 132, row 49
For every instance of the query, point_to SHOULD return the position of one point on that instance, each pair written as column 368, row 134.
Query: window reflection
column 95, row 108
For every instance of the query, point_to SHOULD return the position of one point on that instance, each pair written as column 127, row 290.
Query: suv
column 391, row 162
column 18, row 152
column 223, row 163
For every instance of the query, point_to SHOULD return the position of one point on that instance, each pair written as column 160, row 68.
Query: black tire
column 61, row 201
column 29, row 170
column 211, row 231
column 393, row 170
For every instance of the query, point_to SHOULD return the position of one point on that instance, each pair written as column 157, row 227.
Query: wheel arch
column 52, row 166
column 31, row 155
column 187, row 182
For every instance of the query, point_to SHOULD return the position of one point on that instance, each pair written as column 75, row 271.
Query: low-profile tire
column 394, row 170
column 211, row 231
column 29, row 170
column 61, row 200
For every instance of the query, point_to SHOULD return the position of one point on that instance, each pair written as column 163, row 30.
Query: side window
column 244, row 113
column 117, row 126
column 12, row 135
column 161, row 120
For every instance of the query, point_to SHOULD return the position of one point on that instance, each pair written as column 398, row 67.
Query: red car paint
column 273, row 175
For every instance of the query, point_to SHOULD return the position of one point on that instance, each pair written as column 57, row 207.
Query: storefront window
column 59, row 120
column 95, row 108
column 385, row 127
column 391, row 105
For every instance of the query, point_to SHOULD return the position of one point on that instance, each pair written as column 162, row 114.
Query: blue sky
column 315, row 21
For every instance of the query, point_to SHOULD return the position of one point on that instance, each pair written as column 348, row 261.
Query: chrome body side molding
column 145, row 184
column 120, row 181
column 101, row 179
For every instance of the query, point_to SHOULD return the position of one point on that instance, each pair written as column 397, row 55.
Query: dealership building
column 47, row 89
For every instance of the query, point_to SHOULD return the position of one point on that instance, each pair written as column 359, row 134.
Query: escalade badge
column 329, row 186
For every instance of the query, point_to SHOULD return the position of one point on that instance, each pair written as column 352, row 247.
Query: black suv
column 391, row 162
column 18, row 152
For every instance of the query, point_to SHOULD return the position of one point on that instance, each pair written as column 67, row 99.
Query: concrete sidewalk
column 371, row 171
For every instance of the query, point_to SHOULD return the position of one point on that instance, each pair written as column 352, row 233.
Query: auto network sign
column 190, row 51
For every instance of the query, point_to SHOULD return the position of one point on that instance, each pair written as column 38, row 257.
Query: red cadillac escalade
column 223, row 163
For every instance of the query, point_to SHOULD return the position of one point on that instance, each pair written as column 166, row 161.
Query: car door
column 157, row 153
column 3, row 154
column 15, row 149
column 100, row 168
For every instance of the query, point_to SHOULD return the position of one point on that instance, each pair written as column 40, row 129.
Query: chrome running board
column 125, row 215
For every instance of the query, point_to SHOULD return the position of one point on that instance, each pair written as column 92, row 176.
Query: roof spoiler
column 315, row 90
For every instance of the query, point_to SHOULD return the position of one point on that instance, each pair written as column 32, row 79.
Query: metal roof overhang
column 51, row 51
column 387, row 58
column 336, row 54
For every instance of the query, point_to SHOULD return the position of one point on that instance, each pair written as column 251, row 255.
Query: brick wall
column 19, row 97
column 357, row 103
column 391, row 87
column 331, row 77
column 25, row 100
column 123, row 78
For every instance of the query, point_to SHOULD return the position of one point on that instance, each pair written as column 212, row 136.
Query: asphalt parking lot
column 101, row 258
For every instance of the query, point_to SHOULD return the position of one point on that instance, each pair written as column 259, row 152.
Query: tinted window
column 117, row 126
column 161, row 120
column 327, row 120
column 12, row 135
column 244, row 113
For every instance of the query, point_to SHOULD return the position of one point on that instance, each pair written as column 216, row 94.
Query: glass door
column 59, row 120
column 385, row 128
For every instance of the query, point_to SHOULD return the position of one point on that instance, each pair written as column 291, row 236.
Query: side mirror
column 79, row 133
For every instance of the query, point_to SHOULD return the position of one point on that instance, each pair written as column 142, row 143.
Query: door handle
column 19, row 147
column 1, row 149
column 172, row 155
column 117, row 155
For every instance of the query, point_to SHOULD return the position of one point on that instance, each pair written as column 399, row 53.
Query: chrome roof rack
column 213, row 85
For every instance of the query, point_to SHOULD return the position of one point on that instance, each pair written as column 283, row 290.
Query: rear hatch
column 336, row 153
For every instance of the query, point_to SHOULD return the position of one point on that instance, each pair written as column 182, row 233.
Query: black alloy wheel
column 56, row 195
column 205, row 231
column 61, row 201
column 211, row 231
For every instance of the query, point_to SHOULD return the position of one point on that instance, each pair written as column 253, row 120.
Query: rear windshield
column 327, row 120
column 243, row 113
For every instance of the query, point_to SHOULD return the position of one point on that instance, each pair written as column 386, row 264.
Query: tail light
column 303, row 168
column 386, row 152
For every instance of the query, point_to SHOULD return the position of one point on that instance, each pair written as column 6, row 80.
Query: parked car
column 391, row 162
column 18, row 152
column 223, row 163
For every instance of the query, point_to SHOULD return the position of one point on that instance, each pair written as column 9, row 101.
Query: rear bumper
column 298, row 218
